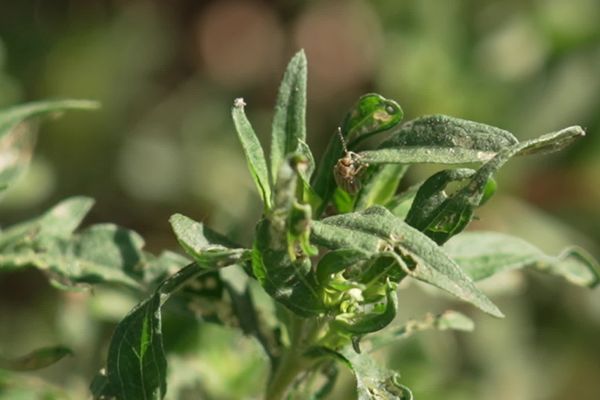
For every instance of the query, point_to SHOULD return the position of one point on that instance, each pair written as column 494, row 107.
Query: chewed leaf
column 377, row 231
column 280, row 257
column 430, row 197
column 289, row 122
column 255, row 156
column 373, row 382
column 37, row 359
column 441, row 139
column 484, row 254
column 441, row 220
column 371, row 114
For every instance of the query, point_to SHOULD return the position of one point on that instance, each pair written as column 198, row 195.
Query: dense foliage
column 330, row 255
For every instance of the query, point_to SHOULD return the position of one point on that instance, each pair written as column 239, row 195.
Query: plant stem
column 292, row 361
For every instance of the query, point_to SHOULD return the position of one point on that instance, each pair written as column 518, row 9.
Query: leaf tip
column 176, row 219
column 84, row 104
column 495, row 312
column 239, row 103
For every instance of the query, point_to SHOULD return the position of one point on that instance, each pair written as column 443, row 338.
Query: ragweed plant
column 335, row 240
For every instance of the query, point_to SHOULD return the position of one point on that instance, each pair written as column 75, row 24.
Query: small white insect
column 347, row 170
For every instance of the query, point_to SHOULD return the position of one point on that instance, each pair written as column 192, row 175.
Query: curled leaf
column 377, row 231
column 371, row 114
column 484, row 254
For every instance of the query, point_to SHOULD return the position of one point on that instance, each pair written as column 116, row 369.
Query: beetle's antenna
column 339, row 132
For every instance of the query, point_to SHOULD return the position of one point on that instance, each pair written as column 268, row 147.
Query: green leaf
column 427, row 204
column 136, row 367
column 289, row 121
column 441, row 216
column 100, row 253
column 109, row 247
column 361, row 323
column 336, row 261
column 373, row 382
column 16, row 138
column 61, row 220
column 377, row 231
column 255, row 156
column 371, row 114
column 157, row 268
column 553, row 141
column 37, row 359
column 484, row 254
column 440, row 139
column 192, row 237
column 380, row 185
column 401, row 204
column 280, row 258
column 11, row 117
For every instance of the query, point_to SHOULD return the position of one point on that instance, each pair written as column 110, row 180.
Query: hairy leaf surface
column 255, row 156
column 376, row 230
column 289, row 121
column 484, row 254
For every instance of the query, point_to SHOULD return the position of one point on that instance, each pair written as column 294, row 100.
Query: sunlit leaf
column 441, row 216
column 553, row 141
column 255, row 156
column 289, row 121
column 377, row 231
column 192, row 237
column 484, row 254
column 440, row 139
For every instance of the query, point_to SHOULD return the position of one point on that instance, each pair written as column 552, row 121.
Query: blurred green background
column 166, row 73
